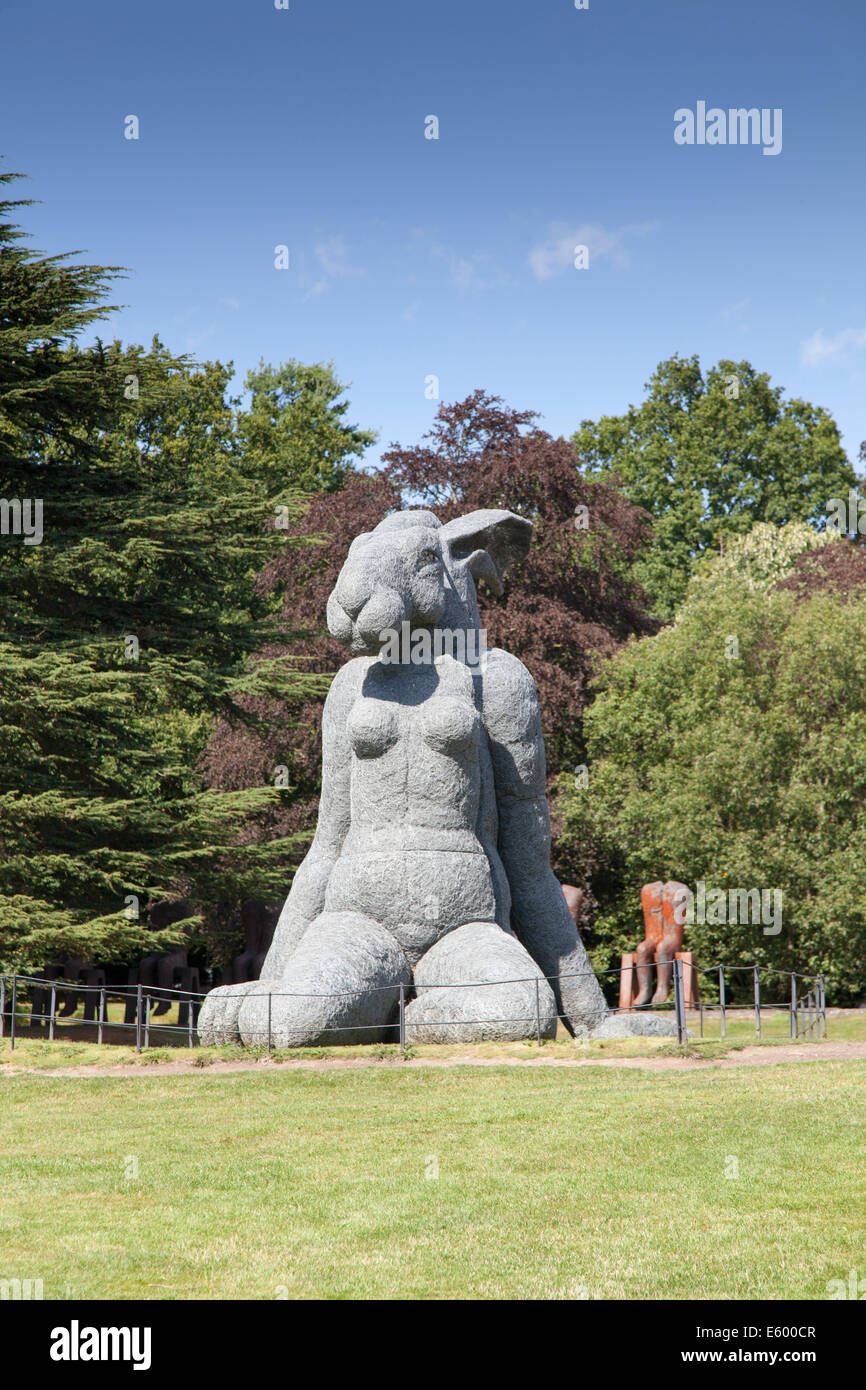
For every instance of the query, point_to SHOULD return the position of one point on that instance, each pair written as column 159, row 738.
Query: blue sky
column 412, row 257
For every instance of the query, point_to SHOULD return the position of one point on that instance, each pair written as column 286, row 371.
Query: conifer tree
column 131, row 538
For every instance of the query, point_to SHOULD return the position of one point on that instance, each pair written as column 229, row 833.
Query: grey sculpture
column 430, row 866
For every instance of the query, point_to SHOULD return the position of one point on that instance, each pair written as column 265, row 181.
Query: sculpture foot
column 507, row 1000
column 218, row 1019
column 341, row 986
column 635, row 1026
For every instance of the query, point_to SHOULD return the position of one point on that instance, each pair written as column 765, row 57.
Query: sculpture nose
column 355, row 586
column 384, row 611
column 351, row 595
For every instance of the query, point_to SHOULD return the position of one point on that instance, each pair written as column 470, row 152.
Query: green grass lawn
column 848, row 1025
column 551, row 1183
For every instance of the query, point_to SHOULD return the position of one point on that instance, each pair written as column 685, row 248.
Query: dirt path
column 767, row 1056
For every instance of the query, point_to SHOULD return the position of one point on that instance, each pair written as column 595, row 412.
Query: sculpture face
column 393, row 575
column 414, row 570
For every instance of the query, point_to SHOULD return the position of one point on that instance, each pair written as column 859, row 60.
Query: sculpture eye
column 428, row 557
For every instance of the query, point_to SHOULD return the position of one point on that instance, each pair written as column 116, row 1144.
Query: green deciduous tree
column 709, row 455
column 294, row 432
column 731, row 748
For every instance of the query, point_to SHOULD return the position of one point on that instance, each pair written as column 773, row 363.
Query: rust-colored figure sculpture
column 574, row 899
column 664, row 908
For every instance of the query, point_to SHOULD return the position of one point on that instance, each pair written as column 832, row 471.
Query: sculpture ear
column 487, row 542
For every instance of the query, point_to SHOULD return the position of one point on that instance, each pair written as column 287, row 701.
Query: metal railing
column 806, row 1007
column 807, row 1010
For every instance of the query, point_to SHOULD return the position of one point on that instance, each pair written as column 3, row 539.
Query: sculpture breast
column 372, row 728
column 449, row 725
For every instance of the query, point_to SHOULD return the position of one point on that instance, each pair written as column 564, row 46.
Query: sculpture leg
column 548, row 934
column 644, row 960
column 341, row 985
column 478, row 984
column 665, row 959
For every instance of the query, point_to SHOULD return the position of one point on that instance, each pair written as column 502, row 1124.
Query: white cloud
column 470, row 271
column 464, row 271
column 818, row 349
column 333, row 257
column 556, row 254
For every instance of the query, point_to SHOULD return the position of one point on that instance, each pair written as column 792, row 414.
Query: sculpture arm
column 540, row 915
column 306, row 899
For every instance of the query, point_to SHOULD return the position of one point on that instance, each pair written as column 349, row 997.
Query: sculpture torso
column 417, row 856
column 651, row 901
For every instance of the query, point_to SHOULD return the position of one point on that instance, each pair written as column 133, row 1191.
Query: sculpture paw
column 218, row 1019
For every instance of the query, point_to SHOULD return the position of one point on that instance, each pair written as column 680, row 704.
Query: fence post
column 823, row 997
column 53, row 1011
column 722, row 1001
column 679, row 1006
column 269, row 1023
column 537, row 1014
column 811, row 1014
column 101, row 1015
column 14, row 1007
column 191, row 1021
column 757, row 1003
column 793, row 1005
column 138, row 1018
column 147, row 1020
column 402, row 1026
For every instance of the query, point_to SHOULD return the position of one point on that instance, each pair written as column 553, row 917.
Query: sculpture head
column 413, row 569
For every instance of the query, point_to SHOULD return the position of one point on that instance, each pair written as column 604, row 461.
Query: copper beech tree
column 571, row 602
